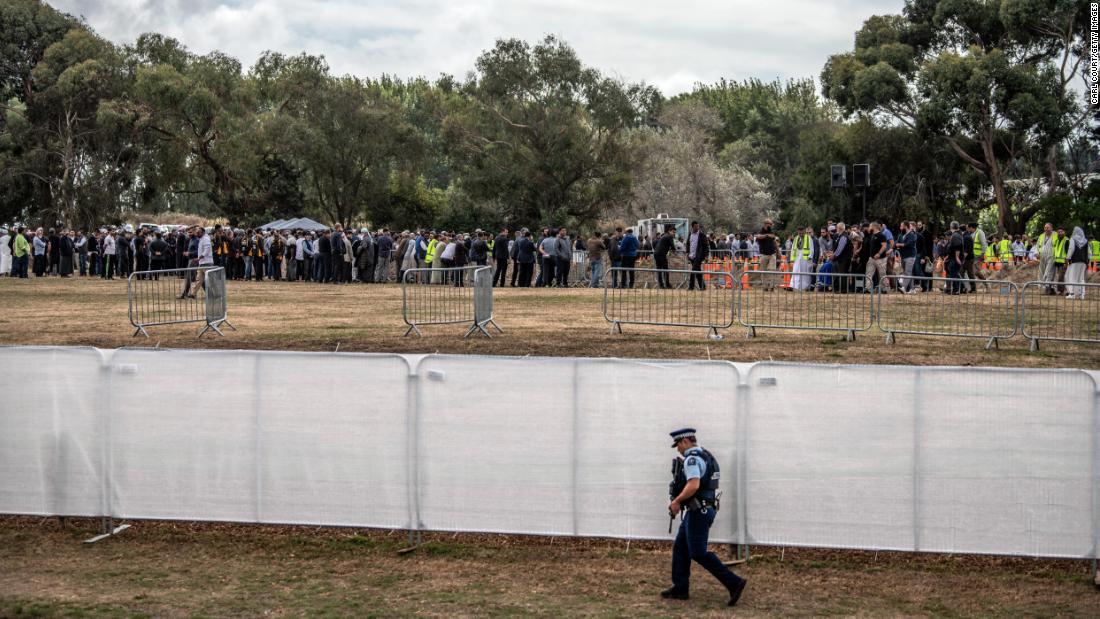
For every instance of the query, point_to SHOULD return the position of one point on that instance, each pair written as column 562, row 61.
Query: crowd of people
column 828, row 259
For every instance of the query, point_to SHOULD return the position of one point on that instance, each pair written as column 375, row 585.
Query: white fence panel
column 51, row 435
column 260, row 437
column 939, row 459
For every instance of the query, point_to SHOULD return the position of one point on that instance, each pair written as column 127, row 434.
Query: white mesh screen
column 932, row 459
column 51, row 431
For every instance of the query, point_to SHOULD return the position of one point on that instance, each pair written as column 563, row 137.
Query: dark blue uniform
column 692, row 537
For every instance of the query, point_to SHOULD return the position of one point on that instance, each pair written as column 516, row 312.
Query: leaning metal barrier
column 664, row 298
column 178, row 296
column 990, row 313
column 1046, row 316
column 826, row 302
column 448, row 296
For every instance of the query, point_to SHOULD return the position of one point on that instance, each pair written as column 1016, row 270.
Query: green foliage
column 989, row 79
column 543, row 136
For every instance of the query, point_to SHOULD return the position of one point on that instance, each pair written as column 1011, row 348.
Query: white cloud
column 670, row 45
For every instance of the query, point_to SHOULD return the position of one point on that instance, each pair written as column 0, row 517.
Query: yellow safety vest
column 1041, row 241
column 1061, row 250
column 806, row 247
column 1095, row 246
column 990, row 253
column 490, row 242
column 977, row 245
column 430, row 255
column 1006, row 250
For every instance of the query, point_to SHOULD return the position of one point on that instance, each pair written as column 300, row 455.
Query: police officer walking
column 694, row 489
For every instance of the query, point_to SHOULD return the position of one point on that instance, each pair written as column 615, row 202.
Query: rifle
column 674, row 489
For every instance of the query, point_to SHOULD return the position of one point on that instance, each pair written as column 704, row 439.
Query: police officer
column 697, row 482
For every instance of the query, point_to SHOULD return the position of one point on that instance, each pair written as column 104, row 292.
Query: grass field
column 159, row 569
column 555, row 322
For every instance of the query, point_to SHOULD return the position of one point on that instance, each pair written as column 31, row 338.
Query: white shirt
column 108, row 245
column 449, row 251
column 206, row 250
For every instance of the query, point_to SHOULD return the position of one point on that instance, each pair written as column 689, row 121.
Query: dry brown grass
column 184, row 570
column 551, row 322
column 159, row 569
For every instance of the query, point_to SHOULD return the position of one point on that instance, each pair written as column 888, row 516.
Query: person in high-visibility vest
column 1094, row 252
column 1044, row 249
column 990, row 256
column 1061, row 252
column 429, row 257
column 802, row 251
column 1004, row 248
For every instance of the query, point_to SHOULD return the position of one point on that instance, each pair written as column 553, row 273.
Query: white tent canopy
column 300, row 223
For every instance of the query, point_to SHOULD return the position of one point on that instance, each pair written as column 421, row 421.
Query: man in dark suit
column 697, row 249
column 500, row 256
column 525, row 259
column 665, row 245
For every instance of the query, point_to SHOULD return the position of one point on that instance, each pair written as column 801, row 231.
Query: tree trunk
column 1005, row 220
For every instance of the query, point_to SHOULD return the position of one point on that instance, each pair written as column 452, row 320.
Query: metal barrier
column 990, row 315
column 178, row 296
column 664, row 298
column 831, row 304
column 1046, row 316
column 448, row 296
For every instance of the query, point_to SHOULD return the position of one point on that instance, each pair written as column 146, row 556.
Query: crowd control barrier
column 665, row 298
column 966, row 460
column 832, row 302
column 989, row 315
column 178, row 296
column 448, row 296
column 1047, row 314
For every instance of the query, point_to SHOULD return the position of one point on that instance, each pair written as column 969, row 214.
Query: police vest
column 1061, row 249
column 804, row 244
column 708, row 483
column 429, row 256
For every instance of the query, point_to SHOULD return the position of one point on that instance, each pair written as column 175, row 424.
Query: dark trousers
column 19, row 266
column 276, row 269
column 526, row 270
column 661, row 263
column 627, row 274
column 108, row 267
column 546, row 276
column 954, row 272
column 501, row 274
column 515, row 273
column 561, row 266
column 696, row 275
column 258, row 269
column 691, row 545
column 843, row 283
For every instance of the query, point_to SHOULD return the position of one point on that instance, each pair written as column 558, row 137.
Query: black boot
column 735, row 592
column 672, row 593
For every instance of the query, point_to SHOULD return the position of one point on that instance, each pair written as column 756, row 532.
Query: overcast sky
column 672, row 45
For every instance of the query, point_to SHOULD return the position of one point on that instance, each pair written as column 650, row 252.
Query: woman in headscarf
column 1078, row 255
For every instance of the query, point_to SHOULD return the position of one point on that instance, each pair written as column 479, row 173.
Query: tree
column 352, row 140
column 779, row 132
column 544, row 136
column 988, row 78
column 679, row 173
